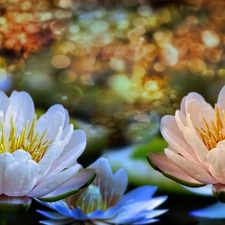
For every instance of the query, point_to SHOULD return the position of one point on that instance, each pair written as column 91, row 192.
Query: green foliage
column 157, row 144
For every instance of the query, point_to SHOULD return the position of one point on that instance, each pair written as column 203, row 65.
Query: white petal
column 21, row 156
column 79, row 138
column 50, row 122
column 81, row 178
column 59, row 108
column 4, row 102
column 7, row 162
column 21, row 179
column 54, row 182
column 217, row 167
column 191, row 168
column 50, row 157
column 67, row 133
column 21, row 109
column 67, row 159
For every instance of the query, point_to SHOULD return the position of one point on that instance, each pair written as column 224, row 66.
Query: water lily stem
column 3, row 218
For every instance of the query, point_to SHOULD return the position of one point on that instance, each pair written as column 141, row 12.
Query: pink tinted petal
column 51, row 183
column 21, row 179
column 198, row 111
column 180, row 119
column 21, row 109
column 197, row 144
column 190, row 167
column 165, row 165
column 174, row 137
column 186, row 99
column 217, row 167
column 221, row 99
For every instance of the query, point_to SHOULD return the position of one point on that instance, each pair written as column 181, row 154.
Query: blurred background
column 117, row 67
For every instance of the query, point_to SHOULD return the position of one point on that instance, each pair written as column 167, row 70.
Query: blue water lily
column 104, row 202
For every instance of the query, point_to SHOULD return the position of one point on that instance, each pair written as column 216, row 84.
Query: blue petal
column 145, row 221
column 56, row 222
column 215, row 211
column 136, row 211
column 109, row 213
column 52, row 215
column 78, row 214
column 206, row 190
column 62, row 209
column 139, row 194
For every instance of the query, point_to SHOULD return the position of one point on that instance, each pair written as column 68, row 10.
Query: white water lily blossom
column 103, row 202
column 195, row 155
column 38, row 157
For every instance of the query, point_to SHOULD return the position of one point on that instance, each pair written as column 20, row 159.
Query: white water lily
column 103, row 202
column 38, row 157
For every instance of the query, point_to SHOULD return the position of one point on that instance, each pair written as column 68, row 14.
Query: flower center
column 27, row 140
column 213, row 131
column 88, row 200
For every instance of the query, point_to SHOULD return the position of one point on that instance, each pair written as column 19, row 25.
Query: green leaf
column 155, row 145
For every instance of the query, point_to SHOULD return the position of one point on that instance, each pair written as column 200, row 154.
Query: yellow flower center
column 213, row 131
column 88, row 200
column 26, row 140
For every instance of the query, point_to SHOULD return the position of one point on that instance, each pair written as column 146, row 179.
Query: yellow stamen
column 88, row 200
column 27, row 140
column 213, row 132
